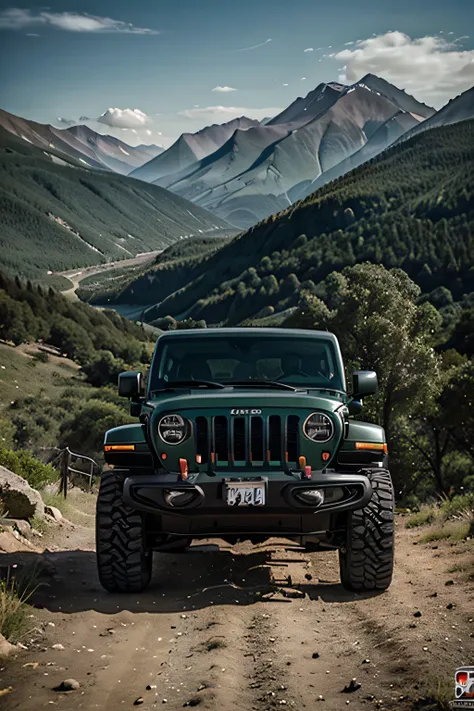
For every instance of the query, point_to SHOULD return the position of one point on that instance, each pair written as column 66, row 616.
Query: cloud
column 224, row 89
column 18, row 19
column 303, row 78
column 432, row 68
column 348, row 44
column 255, row 46
column 124, row 118
column 309, row 49
column 148, row 132
column 221, row 114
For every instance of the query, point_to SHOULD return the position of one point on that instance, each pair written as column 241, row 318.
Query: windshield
column 300, row 362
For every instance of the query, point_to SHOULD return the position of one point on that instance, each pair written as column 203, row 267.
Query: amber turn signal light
column 302, row 462
column 372, row 446
column 119, row 448
column 325, row 456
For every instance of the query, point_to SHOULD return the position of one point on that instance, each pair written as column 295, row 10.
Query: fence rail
column 66, row 469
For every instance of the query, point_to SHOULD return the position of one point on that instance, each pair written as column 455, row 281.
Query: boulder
column 53, row 512
column 19, row 499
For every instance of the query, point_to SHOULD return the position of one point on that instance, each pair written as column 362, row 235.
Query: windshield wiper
column 174, row 385
column 262, row 384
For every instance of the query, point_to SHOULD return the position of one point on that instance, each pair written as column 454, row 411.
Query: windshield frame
column 154, row 384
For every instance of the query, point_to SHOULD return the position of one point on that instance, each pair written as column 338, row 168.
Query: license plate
column 246, row 494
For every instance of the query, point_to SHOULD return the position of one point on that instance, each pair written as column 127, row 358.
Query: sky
column 148, row 70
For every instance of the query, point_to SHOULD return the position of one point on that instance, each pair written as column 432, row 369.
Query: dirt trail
column 212, row 632
column 75, row 276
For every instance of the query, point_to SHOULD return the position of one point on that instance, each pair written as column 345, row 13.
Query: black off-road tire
column 366, row 560
column 123, row 561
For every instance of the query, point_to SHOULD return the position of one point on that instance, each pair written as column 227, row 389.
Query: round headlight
column 172, row 429
column 318, row 427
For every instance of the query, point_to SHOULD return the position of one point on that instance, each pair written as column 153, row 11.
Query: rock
column 353, row 685
column 6, row 649
column 138, row 701
column 23, row 527
column 58, row 646
column 19, row 499
column 308, row 576
column 293, row 593
column 449, row 582
column 315, row 655
column 68, row 685
column 450, row 606
column 53, row 512
column 417, row 614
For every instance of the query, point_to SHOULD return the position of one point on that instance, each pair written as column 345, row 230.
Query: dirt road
column 212, row 632
column 75, row 276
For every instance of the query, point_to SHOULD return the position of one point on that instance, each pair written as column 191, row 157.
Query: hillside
column 411, row 207
column 264, row 169
column 189, row 148
column 81, row 143
column 57, row 215
column 461, row 108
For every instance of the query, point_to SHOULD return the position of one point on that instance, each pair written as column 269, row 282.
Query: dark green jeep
column 246, row 434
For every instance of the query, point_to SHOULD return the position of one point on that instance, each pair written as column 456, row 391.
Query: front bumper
column 209, row 514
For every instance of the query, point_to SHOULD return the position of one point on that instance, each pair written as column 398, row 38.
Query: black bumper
column 209, row 514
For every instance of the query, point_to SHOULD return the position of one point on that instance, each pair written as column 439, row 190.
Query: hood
column 253, row 398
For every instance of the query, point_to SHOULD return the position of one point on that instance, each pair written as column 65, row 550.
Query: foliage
column 22, row 462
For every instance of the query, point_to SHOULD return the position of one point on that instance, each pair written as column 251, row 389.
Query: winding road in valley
column 242, row 628
column 75, row 276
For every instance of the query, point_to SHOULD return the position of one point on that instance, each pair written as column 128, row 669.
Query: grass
column 79, row 507
column 15, row 591
column 23, row 375
column 442, row 512
column 454, row 531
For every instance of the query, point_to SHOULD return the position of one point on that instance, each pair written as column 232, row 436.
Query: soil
column 220, row 628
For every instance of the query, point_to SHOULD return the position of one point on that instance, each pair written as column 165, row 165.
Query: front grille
column 254, row 441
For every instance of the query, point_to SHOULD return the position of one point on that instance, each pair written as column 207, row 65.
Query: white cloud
column 224, row 89
column 309, row 49
column 285, row 84
column 148, row 132
column 432, row 68
column 303, row 78
column 221, row 114
column 17, row 19
column 348, row 44
column 124, row 118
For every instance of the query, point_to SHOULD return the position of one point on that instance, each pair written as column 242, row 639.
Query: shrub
column 22, row 462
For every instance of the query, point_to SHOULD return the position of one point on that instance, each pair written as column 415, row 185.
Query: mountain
column 191, row 147
column 82, row 143
column 411, row 207
column 56, row 214
column 460, row 108
column 266, row 168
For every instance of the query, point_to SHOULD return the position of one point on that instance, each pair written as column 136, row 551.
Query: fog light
column 179, row 498
column 313, row 497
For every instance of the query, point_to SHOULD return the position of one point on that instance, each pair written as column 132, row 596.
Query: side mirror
column 130, row 384
column 364, row 383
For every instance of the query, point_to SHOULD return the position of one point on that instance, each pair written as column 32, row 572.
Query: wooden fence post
column 65, row 463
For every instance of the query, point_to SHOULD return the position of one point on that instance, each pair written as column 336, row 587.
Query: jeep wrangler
column 246, row 434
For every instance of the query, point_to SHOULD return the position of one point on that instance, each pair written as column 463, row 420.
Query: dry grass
column 15, row 591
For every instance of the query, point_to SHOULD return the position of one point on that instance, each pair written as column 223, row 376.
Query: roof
column 210, row 332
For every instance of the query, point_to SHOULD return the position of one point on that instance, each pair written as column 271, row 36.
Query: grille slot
column 221, row 446
column 275, row 449
column 256, row 440
column 202, row 439
column 292, row 437
column 240, row 446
